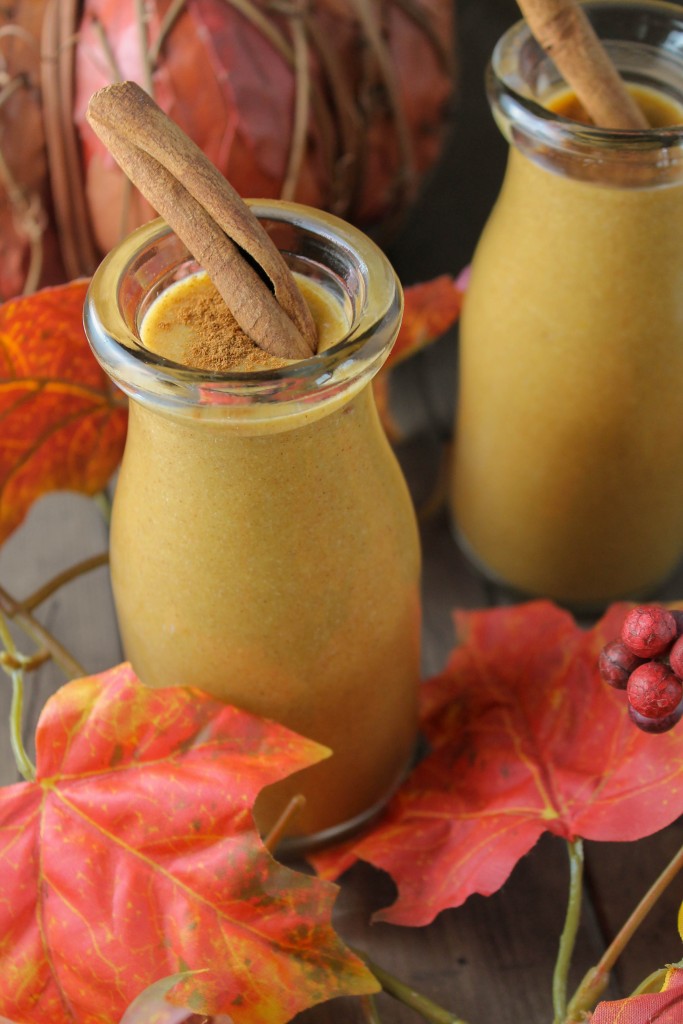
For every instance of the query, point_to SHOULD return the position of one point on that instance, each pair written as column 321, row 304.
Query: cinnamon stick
column 565, row 33
column 208, row 215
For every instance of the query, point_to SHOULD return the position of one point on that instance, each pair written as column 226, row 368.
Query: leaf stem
column 42, row 636
column 23, row 762
column 369, row 1010
column 569, row 932
column 595, row 981
column 404, row 993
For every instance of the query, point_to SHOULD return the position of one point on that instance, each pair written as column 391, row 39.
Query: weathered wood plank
column 619, row 876
column 61, row 530
column 489, row 960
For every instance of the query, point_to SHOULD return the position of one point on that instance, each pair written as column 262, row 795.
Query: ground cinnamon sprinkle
column 218, row 343
column 191, row 324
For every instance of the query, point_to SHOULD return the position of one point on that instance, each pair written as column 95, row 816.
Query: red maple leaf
column 525, row 738
column 133, row 856
column 665, row 1007
column 62, row 426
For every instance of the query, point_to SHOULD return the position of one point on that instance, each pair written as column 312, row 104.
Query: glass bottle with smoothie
column 568, row 471
column 264, row 546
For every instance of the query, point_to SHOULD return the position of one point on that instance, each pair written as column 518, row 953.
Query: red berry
column 653, row 690
column 616, row 662
column 678, row 619
column 676, row 657
column 656, row 725
column 648, row 630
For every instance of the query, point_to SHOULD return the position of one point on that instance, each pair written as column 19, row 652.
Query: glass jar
column 264, row 546
column 568, row 456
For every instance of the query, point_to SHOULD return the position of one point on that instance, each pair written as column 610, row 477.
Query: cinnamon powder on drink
column 216, row 343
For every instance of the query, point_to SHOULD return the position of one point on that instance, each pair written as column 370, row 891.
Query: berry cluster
column 647, row 662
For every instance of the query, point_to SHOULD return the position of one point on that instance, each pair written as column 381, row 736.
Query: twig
column 115, row 73
column 340, row 167
column 369, row 1010
column 167, row 22
column 282, row 824
column 571, row 927
column 367, row 18
column 27, row 209
column 62, row 578
column 302, row 100
column 141, row 22
column 440, row 45
column 23, row 762
column 250, row 11
column 42, row 636
column 408, row 996
column 18, row 32
column 25, row 662
column 595, row 980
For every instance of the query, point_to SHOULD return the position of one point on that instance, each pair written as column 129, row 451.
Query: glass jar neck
column 645, row 40
column 336, row 256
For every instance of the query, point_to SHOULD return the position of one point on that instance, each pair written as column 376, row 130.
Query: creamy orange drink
column 264, row 546
column 568, row 472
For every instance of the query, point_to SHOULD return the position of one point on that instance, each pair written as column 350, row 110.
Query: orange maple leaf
column 430, row 308
column 134, row 856
column 62, row 425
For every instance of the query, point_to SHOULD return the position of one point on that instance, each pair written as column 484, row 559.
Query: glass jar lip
column 532, row 117
column 376, row 311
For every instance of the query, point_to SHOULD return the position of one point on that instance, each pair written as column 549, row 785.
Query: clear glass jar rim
column 362, row 350
column 545, row 125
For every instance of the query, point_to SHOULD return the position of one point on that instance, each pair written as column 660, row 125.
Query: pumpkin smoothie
column 568, row 475
column 272, row 559
column 264, row 546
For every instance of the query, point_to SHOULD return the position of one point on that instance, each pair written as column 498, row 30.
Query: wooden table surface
column 490, row 960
